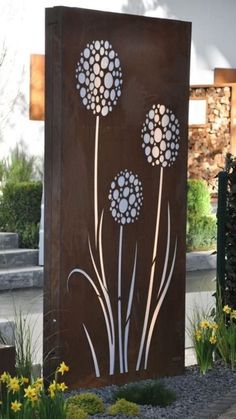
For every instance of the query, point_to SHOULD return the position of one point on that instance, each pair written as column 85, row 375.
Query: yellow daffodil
column 198, row 335
column 24, row 380
column 204, row 324
column 51, row 393
column 233, row 314
column 213, row 339
column 31, row 393
column 5, row 377
column 214, row 325
column 38, row 384
column 14, row 384
column 63, row 368
column 63, row 387
column 226, row 309
column 16, row 406
column 54, row 386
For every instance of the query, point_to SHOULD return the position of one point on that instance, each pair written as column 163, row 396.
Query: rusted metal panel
column 7, row 359
column 117, row 90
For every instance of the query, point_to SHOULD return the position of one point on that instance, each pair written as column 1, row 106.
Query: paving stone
column 196, row 261
column 8, row 241
column 21, row 278
column 18, row 258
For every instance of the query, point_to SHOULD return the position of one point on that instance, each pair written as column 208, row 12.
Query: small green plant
column 226, row 335
column 201, row 233
column 124, row 407
column 26, row 347
column 203, row 331
column 74, row 412
column 88, row 402
column 153, row 392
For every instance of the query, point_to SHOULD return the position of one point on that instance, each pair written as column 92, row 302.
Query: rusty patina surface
column 143, row 246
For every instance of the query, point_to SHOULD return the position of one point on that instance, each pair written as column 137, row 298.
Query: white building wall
column 22, row 30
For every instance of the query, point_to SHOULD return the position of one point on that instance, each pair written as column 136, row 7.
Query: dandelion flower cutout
column 160, row 141
column 160, row 135
column 126, row 197
column 99, row 77
column 99, row 80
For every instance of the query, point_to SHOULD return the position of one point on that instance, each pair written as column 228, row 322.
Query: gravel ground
column 194, row 393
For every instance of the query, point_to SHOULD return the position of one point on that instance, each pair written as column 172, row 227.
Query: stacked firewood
column 208, row 144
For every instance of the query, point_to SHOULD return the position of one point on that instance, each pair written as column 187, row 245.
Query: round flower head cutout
column 161, row 135
column 126, row 197
column 99, row 77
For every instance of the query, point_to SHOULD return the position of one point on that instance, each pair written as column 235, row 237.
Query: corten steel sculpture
column 116, row 99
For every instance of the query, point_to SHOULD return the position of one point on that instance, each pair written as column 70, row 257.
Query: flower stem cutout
column 126, row 199
column 99, row 80
column 160, row 141
column 100, row 287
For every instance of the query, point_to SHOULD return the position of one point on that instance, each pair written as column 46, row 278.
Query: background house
column 213, row 32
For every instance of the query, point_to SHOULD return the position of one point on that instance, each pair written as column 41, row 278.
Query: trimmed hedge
column 199, row 200
column 20, row 211
column 201, row 224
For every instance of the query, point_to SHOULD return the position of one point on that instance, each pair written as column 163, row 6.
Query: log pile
column 208, row 144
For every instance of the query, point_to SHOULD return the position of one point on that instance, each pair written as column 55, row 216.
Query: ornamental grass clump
column 153, row 393
column 21, row 399
column 204, row 336
column 226, row 335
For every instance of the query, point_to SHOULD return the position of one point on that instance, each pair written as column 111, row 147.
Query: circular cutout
column 125, row 197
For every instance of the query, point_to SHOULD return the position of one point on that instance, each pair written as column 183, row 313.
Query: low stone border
column 219, row 408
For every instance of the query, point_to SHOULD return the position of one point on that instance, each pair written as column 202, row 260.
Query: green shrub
column 124, row 407
column 199, row 202
column 20, row 210
column 201, row 233
column 20, row 166
column 154, row 393
column 74, row 412
column 201, row 224
column 29, row 236
column 88, row 402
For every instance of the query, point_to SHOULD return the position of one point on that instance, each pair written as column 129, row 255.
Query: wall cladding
column 208, row 144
